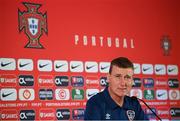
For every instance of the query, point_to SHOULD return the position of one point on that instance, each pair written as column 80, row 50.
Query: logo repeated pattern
column 158, row 84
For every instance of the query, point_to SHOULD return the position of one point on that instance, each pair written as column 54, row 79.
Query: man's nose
column 123, row 81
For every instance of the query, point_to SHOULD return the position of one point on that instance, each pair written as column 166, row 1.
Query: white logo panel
column 45, row 65
column 61, row 66
column 91, row 92
column 172, row 69
column 137, row 68
column 174, row 94
column 147, row 69
column 25, row 64
column 76, row 66
column 62, row 94
column 161, row 94
column 91, row 67
column 136, row 92
column 26, row 94
column 8, row 94
column 160, row 69
column 7, row 64
column 104, row 67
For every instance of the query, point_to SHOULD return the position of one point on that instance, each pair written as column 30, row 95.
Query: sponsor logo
column 172, row 69
column 161, row 82
column 45, row 65
column 174, row 94
column 46, row 80
column 63, row 114
column 92, row 81
column 9, row 115
column 91, row 67
column 26, row 94
column 76, row 66
column 166, row 45
column 77, row 81
column 161, row 94
column 36, row 22
column 149, row 94
column 62, row 94
column 27, row 115
column 61, row 66
column 148, row 82
column 147, row 69
column 26, row 80
column 45, row 94
column 173, row 83
column 160, row 69
column 136, row 92
column 150, row 113
column 8, row 94
column 104, row 67
column 91, row 92
column 137, row 82
column 25, row 64
column 7, row 64
column 8, row 80
column 77, row 94
column 175, row 112
column 103, row 81
column 163, row 112
column 78, row 114
column 61, row 81
column 46, row 114
column 137, row 68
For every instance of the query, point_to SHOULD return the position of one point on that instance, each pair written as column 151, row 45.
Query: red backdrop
column 142, row 24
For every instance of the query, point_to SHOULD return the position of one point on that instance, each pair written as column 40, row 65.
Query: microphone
column 147, row 106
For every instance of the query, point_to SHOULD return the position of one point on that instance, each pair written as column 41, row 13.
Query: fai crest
column 130, row 114
column 166, row 45
column 33, row 23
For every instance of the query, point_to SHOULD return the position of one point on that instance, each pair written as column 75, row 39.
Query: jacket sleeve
column 92, row 111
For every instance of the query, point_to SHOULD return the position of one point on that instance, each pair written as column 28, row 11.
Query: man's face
column 120, row 81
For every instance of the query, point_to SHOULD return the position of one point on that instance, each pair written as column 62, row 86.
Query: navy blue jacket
column 102, row 107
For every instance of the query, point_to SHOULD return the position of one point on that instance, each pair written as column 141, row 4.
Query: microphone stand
column 148, row 107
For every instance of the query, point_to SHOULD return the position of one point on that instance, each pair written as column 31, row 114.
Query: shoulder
column 96, row 99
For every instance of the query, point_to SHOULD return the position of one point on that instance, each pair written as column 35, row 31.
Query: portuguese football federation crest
column 166, row 45
column 33, row 22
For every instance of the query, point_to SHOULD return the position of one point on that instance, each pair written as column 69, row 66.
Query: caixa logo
column 78, row 114
column 77, row 81
column 62, row 114
column 103, row 81
column 26, row 80
column 148, row 82
column 61, row 81
column 173, row 83
column 27, row 115
column 175, row 112
column 45, row 94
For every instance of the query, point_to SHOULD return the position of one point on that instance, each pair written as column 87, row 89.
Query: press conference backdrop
column 55, row 55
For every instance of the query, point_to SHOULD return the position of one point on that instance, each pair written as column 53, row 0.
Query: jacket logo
column 33, row 22
column 130, row 114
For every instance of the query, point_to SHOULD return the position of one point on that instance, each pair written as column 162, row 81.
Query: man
column 113, row 103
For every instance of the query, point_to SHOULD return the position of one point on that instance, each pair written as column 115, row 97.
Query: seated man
column 113, row 103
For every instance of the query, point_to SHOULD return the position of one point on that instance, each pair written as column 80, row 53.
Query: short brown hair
column 121, row 62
